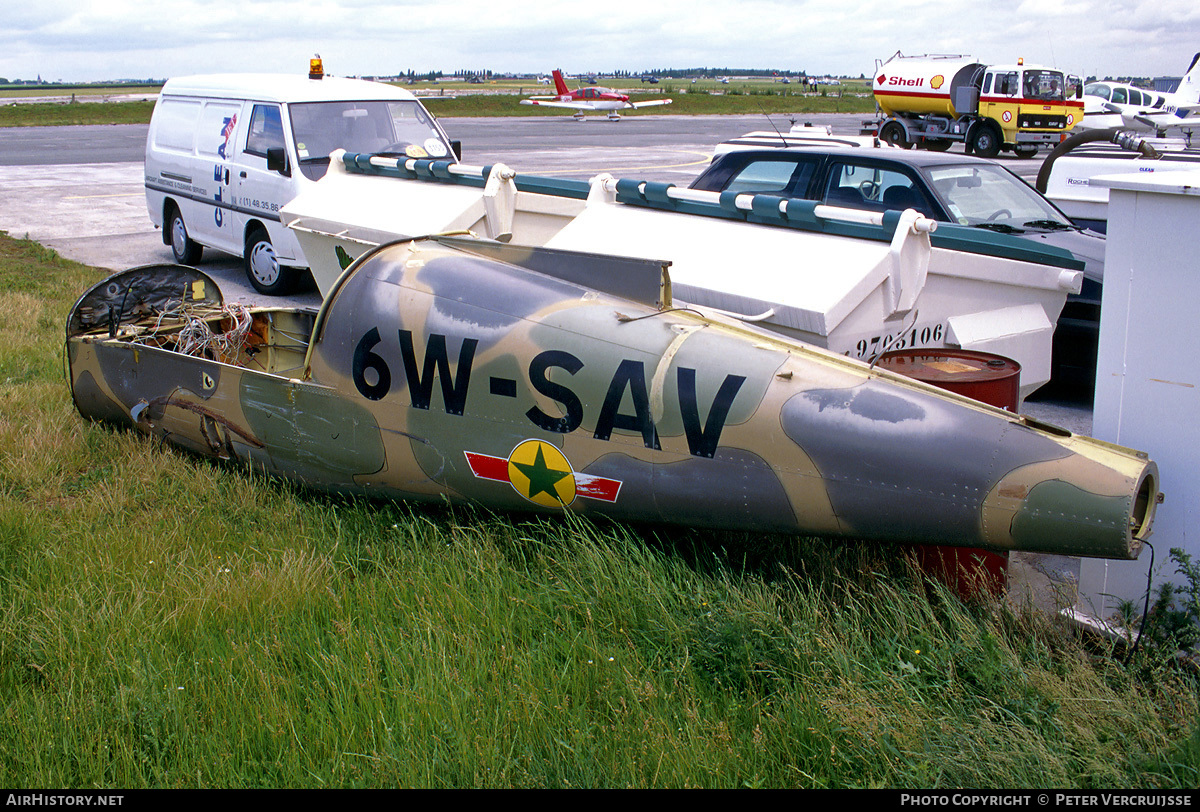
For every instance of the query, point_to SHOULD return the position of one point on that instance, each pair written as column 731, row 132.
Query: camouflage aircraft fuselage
column 434, row 372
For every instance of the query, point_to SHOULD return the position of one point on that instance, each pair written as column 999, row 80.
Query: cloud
column 126, row 39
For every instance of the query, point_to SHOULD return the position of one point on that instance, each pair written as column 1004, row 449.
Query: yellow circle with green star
column 540, row 473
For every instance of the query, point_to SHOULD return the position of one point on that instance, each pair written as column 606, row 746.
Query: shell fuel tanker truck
column 935, row 101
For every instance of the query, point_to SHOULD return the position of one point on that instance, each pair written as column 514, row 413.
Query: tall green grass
column 168, row 622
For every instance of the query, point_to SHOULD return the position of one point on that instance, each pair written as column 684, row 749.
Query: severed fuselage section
column 530, row 379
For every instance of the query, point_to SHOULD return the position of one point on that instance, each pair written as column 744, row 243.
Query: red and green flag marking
column 541, row 473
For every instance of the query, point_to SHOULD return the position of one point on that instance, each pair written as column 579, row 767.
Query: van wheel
column 263, row 268
column 183, row 248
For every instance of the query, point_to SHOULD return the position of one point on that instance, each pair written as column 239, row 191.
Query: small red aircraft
column 589, row 98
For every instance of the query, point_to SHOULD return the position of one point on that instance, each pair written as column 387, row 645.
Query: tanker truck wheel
column 985, row 142
column 893, row 133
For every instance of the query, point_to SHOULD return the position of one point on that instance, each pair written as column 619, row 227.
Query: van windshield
column 401, row 128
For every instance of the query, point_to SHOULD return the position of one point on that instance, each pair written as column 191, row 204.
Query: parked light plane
column 589, row 98
column 1110, row 104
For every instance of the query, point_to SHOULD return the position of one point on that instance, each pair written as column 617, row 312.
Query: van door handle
column 242, row 174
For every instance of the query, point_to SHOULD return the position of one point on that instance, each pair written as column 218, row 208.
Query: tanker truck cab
column 226, row 152
column 1029, row 106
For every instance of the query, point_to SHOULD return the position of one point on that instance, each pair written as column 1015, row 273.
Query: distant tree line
column 69, row 85
column 682, row 73
column 713, row 73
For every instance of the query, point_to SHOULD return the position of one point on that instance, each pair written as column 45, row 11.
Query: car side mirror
column 456, row 148
column 277, row 161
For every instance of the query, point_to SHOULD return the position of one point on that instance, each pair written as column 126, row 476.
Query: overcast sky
column 91, row 40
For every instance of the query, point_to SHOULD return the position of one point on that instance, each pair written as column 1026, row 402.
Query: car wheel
column 893, row 133
column 185, row 250
column 1025, row 152
column 985, row 143
column 263, row 268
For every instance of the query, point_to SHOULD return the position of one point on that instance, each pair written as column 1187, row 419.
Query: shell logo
column 937, row 82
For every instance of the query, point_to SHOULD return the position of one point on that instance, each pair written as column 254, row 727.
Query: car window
column 874, row 188
column 772, row 176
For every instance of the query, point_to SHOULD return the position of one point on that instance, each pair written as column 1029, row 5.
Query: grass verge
column 50, row 114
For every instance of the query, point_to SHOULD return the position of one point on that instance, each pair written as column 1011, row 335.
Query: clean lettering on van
column 218, row 173
column 227, row 130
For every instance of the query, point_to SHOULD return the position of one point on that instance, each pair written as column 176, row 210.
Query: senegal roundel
column 540, row 473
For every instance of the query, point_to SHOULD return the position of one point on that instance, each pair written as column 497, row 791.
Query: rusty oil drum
column 982, row 376
column 992, row 379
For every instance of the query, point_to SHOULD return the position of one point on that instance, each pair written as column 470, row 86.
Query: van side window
column 217, row 129
column 266, row 129
column 177, row 124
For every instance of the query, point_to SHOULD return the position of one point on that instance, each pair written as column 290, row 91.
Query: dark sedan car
column 952, row 188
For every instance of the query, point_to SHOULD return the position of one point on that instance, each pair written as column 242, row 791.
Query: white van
column 225, row 153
